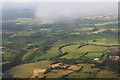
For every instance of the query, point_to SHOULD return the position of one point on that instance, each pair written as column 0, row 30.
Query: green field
column 30, row 40
column 93, row 55
column 25, row 70
column 88, row 72
column 74, row 52
column 57, row 73
column 106, row 74
column 70, row 48
column 91, row 48
column 53, row 52
column 84, row 72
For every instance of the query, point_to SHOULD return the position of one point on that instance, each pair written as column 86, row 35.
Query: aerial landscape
column 60, row 40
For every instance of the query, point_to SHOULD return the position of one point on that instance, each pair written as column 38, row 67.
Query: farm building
column 96, row 59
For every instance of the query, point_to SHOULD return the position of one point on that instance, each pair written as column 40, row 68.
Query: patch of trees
column 95, row 29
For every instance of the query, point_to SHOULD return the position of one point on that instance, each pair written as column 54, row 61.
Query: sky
column 74, row 9
column 60, row 8
column 59, row 0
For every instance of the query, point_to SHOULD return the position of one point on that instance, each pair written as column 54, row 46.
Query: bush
column 47, row 70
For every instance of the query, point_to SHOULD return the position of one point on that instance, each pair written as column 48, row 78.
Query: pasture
column 26, row 70
column 93, row 55
column 53, row 52
column 106, row 74
column 75, row 52
column 57, row 73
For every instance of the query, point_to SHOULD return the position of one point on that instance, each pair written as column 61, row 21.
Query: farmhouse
column 74, row 67
column 96, row 59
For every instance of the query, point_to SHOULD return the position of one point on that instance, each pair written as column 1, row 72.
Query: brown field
column 36, row 72
column 74, row 67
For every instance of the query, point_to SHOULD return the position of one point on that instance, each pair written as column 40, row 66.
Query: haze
column 57, row 10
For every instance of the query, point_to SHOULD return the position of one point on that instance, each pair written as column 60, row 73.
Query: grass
column 86, row 67
column 82, row 73
column 90, row 28
column 46, row 29
column 106, row 23
column 91, row 48
column 57, row 73
column 70, row 48
column 76, row 33
column 7, row 62
column 73, row 52
column 78, row 75
column 25, row 70
column 101, row 30
column 106, row 74
column 72, row 55
column 93, row 55
column 50, row 53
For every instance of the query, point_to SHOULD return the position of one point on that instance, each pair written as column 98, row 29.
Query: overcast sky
column 74, row 9
column 59, row 0
column 67, row 9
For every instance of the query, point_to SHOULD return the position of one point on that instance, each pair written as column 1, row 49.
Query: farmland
column 93, row 55
column 81, row 47
column 75, row 52
column 25, row 70
column 44, row 43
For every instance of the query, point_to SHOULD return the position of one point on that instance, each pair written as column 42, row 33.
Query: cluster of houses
column 96, row 59
column 114, row 58
column 114, row 50
column 97, row 17
column 33, row 46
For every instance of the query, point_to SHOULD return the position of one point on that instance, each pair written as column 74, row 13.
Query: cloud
column 16, row 1
column 59, row 1
column 66, row 9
